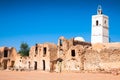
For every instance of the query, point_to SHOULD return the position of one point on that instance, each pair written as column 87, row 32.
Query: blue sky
column 39, row 21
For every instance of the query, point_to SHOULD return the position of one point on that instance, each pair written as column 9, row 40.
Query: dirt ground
column 38, row 75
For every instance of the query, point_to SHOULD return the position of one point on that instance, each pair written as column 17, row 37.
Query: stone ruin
column 43, row 56
column 7, row 57
column 68, row 55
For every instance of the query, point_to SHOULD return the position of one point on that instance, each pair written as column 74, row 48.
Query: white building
column 100, row 27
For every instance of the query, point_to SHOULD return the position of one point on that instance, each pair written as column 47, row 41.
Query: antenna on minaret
column 99, row 10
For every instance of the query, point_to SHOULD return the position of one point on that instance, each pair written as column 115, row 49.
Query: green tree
column 24, row 49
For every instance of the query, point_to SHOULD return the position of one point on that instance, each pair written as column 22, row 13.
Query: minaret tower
column 100, row 27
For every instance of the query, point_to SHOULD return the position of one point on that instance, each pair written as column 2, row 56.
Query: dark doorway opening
column 43, row 64
column 5, row 53
column 35, row 66
column 61, row 42
column 44, row 51
column 73, row 53
column 5, row 64
column 36, row 49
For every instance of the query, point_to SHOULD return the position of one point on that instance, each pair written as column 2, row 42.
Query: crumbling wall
column 110, row 59
column 63, row 43
column 7, row 57
column 41, row 55
column 53, row 52
column 72, row 54
column 12, row 58
column 73, row 62
column 92, row 60
column 102, row 58
column 22, row 63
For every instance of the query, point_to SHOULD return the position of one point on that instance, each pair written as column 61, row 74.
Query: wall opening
column 61, row 42
column 44, row 51
column 35, row 66
column 5, row 53
column 43, row 64
column 73, row 53
column 97, row 23
column 12, row 63
column 5, row 64
column 36, row 49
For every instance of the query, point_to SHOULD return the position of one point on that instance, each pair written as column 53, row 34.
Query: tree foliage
column 24, row 49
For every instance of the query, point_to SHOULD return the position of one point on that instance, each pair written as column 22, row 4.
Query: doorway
column 35, row 66
column 5, row 64
column 44, row 65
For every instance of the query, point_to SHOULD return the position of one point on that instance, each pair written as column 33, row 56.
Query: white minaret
column 100, row 27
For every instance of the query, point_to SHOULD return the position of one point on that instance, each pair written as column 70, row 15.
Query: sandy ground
column 37, row 75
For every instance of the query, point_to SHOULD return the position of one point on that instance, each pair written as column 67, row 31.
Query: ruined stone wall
column 7, row 57
column 45, row 57
column 13, row 54
column 68, row 55
column 1, row 57
column 32, row 52
column 42, row 55
column 22, row 63
column 110, row 58
column 102, row 58
column 74, row 62
column 2, row 51
column 53, row 51
column 63, row 43
column 18, row 62
column 72, row 55
column 92, row 60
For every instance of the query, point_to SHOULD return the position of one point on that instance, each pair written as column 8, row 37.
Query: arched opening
column 43, row 64
column 97, row 23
